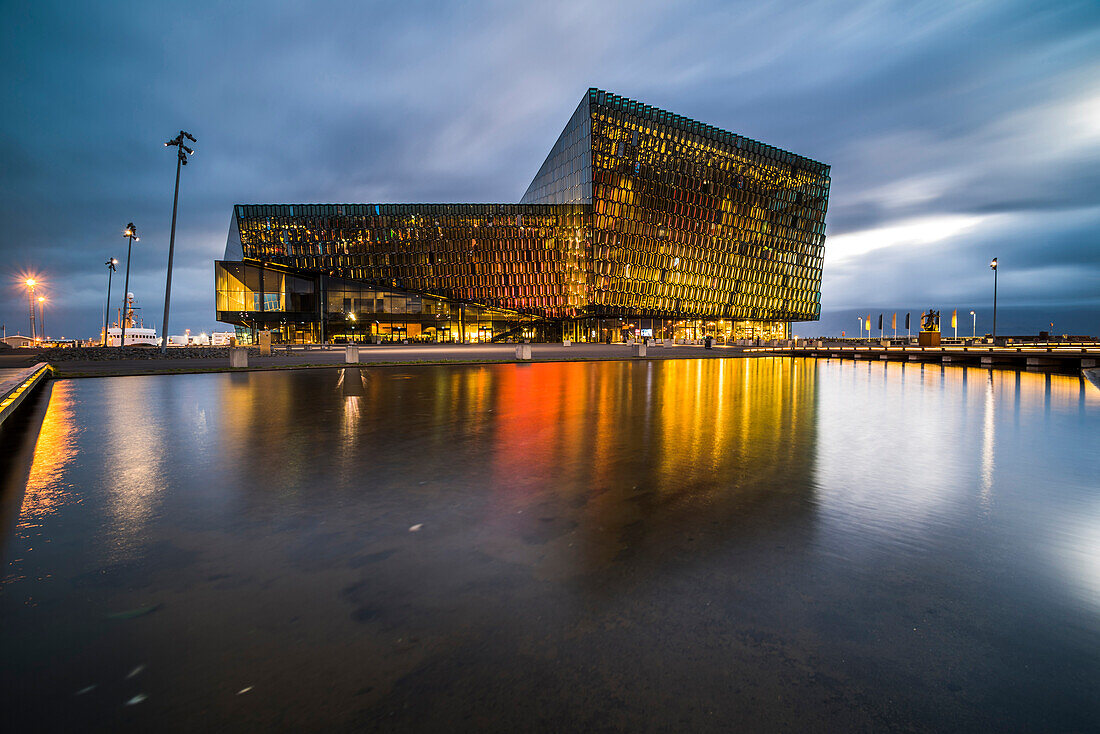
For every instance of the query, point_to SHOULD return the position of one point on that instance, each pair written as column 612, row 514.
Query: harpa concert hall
column 639, row 223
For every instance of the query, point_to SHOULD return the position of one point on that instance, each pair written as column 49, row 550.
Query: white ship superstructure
column 137, row 334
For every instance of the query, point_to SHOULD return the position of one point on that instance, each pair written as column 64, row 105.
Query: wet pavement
column 770, row 544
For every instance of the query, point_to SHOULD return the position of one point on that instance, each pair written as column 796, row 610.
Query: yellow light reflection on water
column 46, row 489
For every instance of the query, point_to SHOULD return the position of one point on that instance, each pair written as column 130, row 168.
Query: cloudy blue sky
column 956, row 131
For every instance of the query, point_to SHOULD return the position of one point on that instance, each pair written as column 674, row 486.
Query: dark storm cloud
column 955, row 130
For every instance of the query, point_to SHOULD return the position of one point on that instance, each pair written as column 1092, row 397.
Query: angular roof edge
column 359, row 208
column 630, row 106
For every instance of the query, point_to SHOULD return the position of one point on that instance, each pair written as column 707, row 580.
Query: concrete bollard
column 523, row 351
column 639, row 350
column 238, row 357
column 351, row 354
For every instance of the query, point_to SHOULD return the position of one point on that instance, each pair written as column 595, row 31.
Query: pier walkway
column 1032, row 356
column 16, row 384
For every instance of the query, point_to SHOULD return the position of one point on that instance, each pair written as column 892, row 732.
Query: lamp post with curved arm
column 111, row 263
column 182, row 151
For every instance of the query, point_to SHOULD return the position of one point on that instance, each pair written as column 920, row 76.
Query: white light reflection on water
column 987, row 444
column 132, row 457
column 900, row 468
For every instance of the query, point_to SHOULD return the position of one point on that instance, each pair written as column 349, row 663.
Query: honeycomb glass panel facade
column 690, row 220
column 635, row 214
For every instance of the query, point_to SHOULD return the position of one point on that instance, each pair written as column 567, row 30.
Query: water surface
column 695, row 545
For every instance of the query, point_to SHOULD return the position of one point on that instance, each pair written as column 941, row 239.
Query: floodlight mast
column 182, row 151
column 111, row 263
column 130, row 233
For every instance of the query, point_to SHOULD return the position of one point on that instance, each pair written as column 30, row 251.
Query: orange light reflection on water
column 56, row 446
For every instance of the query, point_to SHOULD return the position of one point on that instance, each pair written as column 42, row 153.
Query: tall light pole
column 860, row 327
column 111, row 263
column 30, row 303
column 182, row 151
column 993, row 266
column 973, row 325
column 129, row 233
column 42, row 316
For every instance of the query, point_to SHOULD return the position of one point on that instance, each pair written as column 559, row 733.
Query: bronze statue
column 930, row 321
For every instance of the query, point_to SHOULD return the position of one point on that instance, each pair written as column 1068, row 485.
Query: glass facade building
column 639, row 221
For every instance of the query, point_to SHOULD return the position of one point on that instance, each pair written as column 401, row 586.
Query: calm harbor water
column 696, row 545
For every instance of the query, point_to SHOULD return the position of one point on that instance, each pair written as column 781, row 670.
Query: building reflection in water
column 562, row 467
column 593, row 464
column 567, row 469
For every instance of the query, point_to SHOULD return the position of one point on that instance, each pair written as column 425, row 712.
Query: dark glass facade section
column 566, row 175
column 298, row 307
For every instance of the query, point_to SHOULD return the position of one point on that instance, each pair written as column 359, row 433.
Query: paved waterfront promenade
column 388, row 354
column 1030, row 357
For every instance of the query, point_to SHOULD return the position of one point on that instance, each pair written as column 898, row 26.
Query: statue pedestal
column 928, row 338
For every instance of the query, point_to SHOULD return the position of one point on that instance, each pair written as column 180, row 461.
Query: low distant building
column 189, row 340
column 18, row 340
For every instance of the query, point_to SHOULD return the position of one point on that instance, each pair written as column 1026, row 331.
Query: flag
column 906, row 321
column 955, row 318
column 894, row 321
column 868, row 323
column 880, row 322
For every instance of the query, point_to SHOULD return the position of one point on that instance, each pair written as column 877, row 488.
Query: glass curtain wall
column 695, row 221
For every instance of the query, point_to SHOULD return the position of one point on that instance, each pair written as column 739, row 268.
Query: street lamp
column 993, row 267
column 129, row 233
column 30, row 283
column 973, row 325
column 182, row 151
column 860, row 327
column 111, row 263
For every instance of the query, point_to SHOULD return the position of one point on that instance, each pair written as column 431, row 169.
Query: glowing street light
column 993, row 267
column 31, row 283
column 182, row 151
column 130, row 233
column 973, row 325
column 111, row 263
